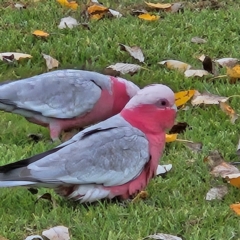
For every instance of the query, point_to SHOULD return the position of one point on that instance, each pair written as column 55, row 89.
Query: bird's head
column 152, row 108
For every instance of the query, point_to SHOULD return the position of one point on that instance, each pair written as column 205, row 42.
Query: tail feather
column 4, row 184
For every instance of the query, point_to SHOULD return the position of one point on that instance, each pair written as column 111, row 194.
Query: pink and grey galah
column 66, row 99
column 114, row 158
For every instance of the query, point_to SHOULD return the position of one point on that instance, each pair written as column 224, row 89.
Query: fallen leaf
column 125, row 68
column 207, row 98
column 229, row 111
column 194, row 146
column 163, row 236
column 233, row 73
column 216, row 193
column 196, row 73
column 57, row 233
column 183, row 96
column 198, row 40
column 163, row 169
column 227, row 62
column 97, row 16
column 115, row 13
column 45, row 196
column 177, row 7
column 175, row 64
column 40, row 33
column 140, row 195
column 218, row 167
column 16, row 55
column 138, row 11
column 171, row 137
column 159, row 5
column 148, row 17
column 68, row 22
column 134, row 51
column 234, row 179
column 180, row 127
column 50, row 61
column 236, row 208
column 69, row 4
column 209, row 65
column 19, row 6
column 34, row 237
column 96, row 9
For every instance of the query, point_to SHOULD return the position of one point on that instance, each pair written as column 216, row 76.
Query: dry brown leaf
column 140, row 195
column 198, row 40
column 227, row 62
column 16, row 56
column 50, row 61
column 40, row 33
column 196, row 73
column 125, row 68
column 163, row 169
column 216, row 193
column 148, row 17
column 218, row 167
column 175, row 64
column 163, row 236
column 176, row 7
column 229, row 111
column 234, row 72
column 236, row 208
column 206, row 98
column 159, row 5
column 194, row 146
column 134, row 51
column 183, row 96
column 19, row 6
column 234, row 179
column 68, row 22
column 96, row 9
column 179, row 127
column 138, row 11
column 57, row 233
column 209, row 65
column 69, row 4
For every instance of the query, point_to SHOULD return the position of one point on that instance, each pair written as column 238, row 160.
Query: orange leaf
column 171, row 137
column 234, row 72
column 96, row 9
column 148, row 17
column 229, row 111
column 40, row 33
column 236, row 208
column 73, row 5
column 234, row 179
column 159, row 5
column 97, row 16
column 183, row 96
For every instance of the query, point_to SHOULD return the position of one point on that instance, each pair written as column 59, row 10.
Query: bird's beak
column 174, row 107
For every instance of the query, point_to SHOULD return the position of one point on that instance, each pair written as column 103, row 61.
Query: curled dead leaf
column 163, row 169
column 175, row 64
column 148, row 17
column 229, row 111
column 163, row 236
column 134, row 51
column 234, row 179
column 50, row 61
column 236, row 208
column 196, row 73
column 198, row 40
column 216, row 193
column 68, row 22
column 40, row 33
column 69, row 4
column 16, row 55
column 207, row 98
column 140, row 195
column 159, row 5
column 194, row 146
column 171, row 137
column 57, row 233
column 227, row 62
column 125, row 68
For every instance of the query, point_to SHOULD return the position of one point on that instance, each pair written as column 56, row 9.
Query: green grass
column 176, row 203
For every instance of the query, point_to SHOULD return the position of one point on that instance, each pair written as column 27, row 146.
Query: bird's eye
column 162, row 103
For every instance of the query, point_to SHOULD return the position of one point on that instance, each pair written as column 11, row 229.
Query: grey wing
column 111, row 157
column 59, row 94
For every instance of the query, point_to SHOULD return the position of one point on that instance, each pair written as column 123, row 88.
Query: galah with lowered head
column 66, row 99
column 116, row 157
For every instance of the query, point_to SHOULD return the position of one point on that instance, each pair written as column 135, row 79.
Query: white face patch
column 131, row 88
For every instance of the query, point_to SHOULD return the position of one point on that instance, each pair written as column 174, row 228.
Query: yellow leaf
column 65, row 3
column 97, row 16
column 171, row 137
column 234, row 72
column 159, row 5
column 234, row 179
column 175, row 64
column 183, row 96
column 96, row 9
column 40, row 33
column 236, row 208
column 148, row 17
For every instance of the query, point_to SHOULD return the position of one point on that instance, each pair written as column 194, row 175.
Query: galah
column 114, row 158
column 66, row 99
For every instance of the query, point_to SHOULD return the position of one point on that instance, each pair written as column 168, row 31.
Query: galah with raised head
column 116, row 157
column 66, row 99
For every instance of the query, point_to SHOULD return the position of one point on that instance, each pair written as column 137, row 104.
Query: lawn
column 176, row 204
